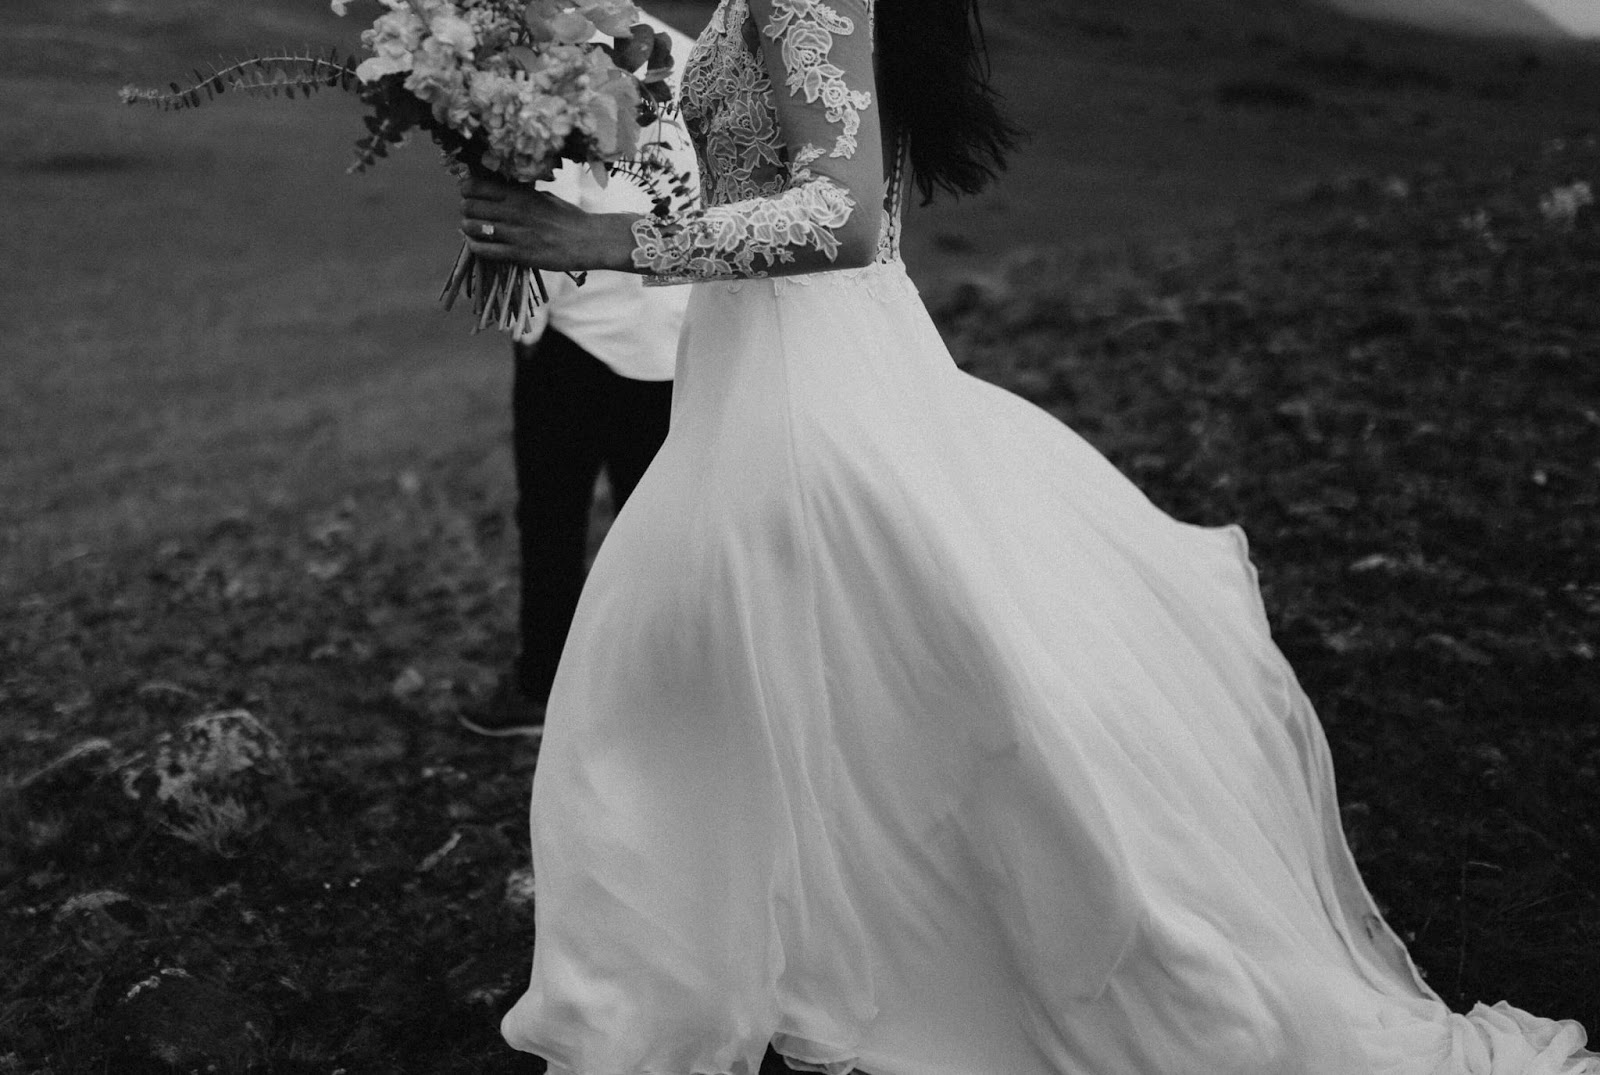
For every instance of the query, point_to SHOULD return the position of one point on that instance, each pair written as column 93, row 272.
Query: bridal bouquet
column 507, row 88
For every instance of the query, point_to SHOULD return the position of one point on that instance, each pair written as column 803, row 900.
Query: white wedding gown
column 898, row 729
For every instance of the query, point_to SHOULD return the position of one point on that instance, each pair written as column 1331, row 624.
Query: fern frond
column 259, row 76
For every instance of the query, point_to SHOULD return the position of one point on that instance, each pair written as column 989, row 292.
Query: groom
column 591, row 391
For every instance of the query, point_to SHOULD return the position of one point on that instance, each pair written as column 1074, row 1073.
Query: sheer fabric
column 897, row 729
column 788, row 184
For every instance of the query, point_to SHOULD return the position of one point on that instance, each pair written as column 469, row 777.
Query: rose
column 573, row 22
column 392, row 39
column 613, row 17
column 609, row 112
column 455, row 33
column 555, row 21
column 438, row 79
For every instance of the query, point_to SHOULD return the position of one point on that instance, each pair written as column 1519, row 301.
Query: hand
column 503, row 222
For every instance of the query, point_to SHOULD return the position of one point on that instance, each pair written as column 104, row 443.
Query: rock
column 80, row 766
column 89, row 903
column 213, row 781
column 100, row 921
column 188, row 1023
column 230, row 749
column 408, row 684
column 520, row 889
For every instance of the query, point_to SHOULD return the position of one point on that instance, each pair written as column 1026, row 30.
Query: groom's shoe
column 508, row 712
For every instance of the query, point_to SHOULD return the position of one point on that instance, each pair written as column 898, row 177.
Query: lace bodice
column 792, row 176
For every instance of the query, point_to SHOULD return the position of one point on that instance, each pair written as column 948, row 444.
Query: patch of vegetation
column 1394, row 384
column 355, row 915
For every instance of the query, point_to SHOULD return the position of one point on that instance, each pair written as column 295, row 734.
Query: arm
column 818, row 55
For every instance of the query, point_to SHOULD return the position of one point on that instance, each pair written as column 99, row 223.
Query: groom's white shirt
column 630, row 327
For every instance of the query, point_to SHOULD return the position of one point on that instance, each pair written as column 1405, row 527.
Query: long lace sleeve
column 816, row 63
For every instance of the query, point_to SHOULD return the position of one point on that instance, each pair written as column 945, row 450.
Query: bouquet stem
column 502, row 295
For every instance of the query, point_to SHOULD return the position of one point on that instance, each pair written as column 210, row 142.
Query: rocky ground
column 1394, row 384
column 256, row 553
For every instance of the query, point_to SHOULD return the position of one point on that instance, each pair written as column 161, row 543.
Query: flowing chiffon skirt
column 898, row 729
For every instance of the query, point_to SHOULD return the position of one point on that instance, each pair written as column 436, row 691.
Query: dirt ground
column 1289, row 272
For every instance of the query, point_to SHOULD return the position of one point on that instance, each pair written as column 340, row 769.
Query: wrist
column 616, row 242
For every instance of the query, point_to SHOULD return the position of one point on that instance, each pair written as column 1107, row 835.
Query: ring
column 486, row 230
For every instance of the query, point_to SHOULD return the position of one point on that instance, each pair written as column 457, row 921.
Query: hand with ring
column 518, row 224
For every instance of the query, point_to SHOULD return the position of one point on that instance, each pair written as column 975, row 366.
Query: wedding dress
column 898, row 729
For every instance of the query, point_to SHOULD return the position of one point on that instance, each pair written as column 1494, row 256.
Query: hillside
column 1151, row 117
column 1514, row 18
column 1285, row 267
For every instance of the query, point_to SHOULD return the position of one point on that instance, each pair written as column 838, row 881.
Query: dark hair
column 934, row 92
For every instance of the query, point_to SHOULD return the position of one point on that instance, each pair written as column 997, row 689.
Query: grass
column 243, row 464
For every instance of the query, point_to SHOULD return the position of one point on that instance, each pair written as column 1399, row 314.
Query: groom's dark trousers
column 572, row 416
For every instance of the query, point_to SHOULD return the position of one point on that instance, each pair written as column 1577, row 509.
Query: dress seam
column 806, row 543
column 805, row 537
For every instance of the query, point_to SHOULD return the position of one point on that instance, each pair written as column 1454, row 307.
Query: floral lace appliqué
column 806, row 28
column 763, row 204
column 727, row 240
column 727, row 106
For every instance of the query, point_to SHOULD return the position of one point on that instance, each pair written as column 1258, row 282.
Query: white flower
column 613, row 17
column 523, row 103
column 554, row 21
column 393, row 39
column 456, row 33
column 375, row 68
column 572, row 22
column 609, row 110
column 437, row 78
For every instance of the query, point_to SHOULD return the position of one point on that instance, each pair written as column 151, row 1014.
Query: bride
column 896, row 728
